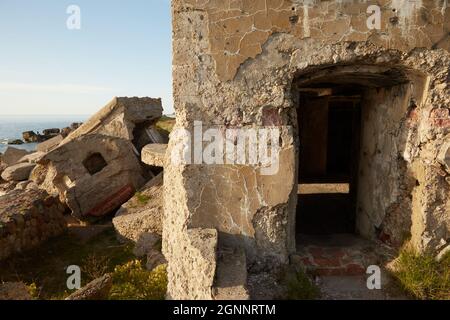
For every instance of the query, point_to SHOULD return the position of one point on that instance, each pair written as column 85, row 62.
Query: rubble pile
column 89, row 170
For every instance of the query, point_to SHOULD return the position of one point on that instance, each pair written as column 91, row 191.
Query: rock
column 75, row 125
column 96, row 290
column 142, row 213
column 13, row 155
column 146, row 243
column 443, row 253
column 93, row 174
column 154, row 154
column 231, row 275
column 22, row 185
column 27, row 219
column 51, row 132
column 30, row 137
column 50, row 144
column 3, row 166
column 14, row 291
column 31, row 186
column 15, row 142
column 18, row 172
column 444, row 156
column 154, row 259
column 7, row 186
column 32, row 157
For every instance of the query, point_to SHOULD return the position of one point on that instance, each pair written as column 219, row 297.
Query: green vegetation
column 132, row 281
column 44, row 268
column 165, row 124
column 421, row 276
column 142, row 198
column 299, row 286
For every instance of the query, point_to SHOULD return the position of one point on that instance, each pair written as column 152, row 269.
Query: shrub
column 132, row 282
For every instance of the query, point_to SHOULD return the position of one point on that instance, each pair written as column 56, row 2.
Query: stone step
column 231, row 275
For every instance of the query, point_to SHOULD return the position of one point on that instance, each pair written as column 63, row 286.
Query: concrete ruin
column 359, row 106
column 97, row 167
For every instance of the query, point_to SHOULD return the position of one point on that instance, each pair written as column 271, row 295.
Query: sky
column 123, row 48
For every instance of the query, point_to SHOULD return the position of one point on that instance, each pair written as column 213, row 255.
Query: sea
column 12, row 126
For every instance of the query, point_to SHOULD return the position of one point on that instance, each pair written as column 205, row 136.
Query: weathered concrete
column 50, row 144
column 18, row 172
column 120, row 117
column 239, row 64
column 142, row 213
column 154, row 154
column 93, row 174
column 97, row 289
column 32, row 157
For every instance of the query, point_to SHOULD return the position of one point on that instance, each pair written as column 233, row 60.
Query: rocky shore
column 47, row 134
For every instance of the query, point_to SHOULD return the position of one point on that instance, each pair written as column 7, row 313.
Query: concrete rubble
column 154, row 154
column 97, row 289
column 93, row 174
column 143, row 213
column 18, row 172
column 97, row 167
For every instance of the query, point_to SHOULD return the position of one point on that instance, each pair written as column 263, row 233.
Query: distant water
column 11, row 127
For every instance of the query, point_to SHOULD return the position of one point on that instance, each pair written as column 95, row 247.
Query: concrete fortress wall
column 237, row 63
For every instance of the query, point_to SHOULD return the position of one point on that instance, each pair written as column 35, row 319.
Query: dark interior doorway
column 329, row 133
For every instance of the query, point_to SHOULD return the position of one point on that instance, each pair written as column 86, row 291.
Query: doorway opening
column 350, row 135
column 329, row 135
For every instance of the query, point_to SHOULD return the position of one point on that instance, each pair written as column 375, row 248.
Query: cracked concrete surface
column 243, row 75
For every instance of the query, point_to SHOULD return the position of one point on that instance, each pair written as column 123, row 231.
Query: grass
column 44, row 269
column 421, row 276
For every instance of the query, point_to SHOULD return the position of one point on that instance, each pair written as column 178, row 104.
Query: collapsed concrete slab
column 28, row 218
column 93, row 174
column 123, row 117
column 154, row 154
column 50, row 144
column 18, row 172
column 143, row 213
column 32, row 157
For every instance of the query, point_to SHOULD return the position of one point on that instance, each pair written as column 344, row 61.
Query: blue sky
column 122, row 49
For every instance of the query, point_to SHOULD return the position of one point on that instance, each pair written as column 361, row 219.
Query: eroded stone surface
column 98, row 289
column 143, row 213
column 238, row 30
column 18, row 172
column 154, row 154
column 238, row 64
column 120, row 117
column 93, row 174
column 28, row 218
